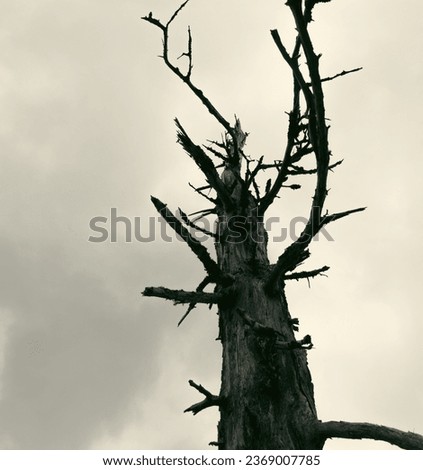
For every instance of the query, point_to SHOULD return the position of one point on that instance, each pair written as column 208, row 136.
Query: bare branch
column 341, row 74
column 294, row 127
column 216, row 444
column 298, row 170
column 200, row 389
column 339, row 215
column 265, row 166
column 200, row 251
column 186, row 78
column 205, row 164
column 218, row 144
column 190, row 66
column 199, row 191
column 293, row 255
column 203, row 188
column 203, row 213
column 176, row 13
column 191, row 224
column 191, row 307
column 292, row 186
column 215, row 153
column 249, row 178
column 317, row 121
column 297, row 252
column 293, row 63
column 210, row 400
column 154, row 21
column 271, row 195
column 306, row 274
column 182, row 296
column 346, row 430
column 318, row 135
column 188, row 54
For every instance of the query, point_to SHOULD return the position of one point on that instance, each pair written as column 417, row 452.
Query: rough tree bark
column 266, row 399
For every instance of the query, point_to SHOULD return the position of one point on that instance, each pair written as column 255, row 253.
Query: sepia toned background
column 86, row 125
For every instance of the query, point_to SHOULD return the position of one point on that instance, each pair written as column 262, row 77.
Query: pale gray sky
column 86, row 118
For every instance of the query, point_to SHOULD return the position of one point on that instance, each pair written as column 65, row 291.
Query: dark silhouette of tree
column 266, row 399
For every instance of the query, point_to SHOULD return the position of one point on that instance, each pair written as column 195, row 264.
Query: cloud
column 76, row 355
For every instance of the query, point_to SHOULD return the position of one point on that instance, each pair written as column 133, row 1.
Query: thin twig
column 298, row 170
column 199, row 191
column 210, row 400
column 191, row 224
column 341, row 74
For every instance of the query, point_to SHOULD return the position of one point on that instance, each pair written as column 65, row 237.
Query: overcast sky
column 86, row 125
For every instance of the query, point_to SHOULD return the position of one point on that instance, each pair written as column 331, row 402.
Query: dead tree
column 266, row 400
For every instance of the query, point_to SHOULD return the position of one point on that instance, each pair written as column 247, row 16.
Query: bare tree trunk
column 267, row 392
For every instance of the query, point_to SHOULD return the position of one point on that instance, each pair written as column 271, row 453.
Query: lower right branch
column 346, row 430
